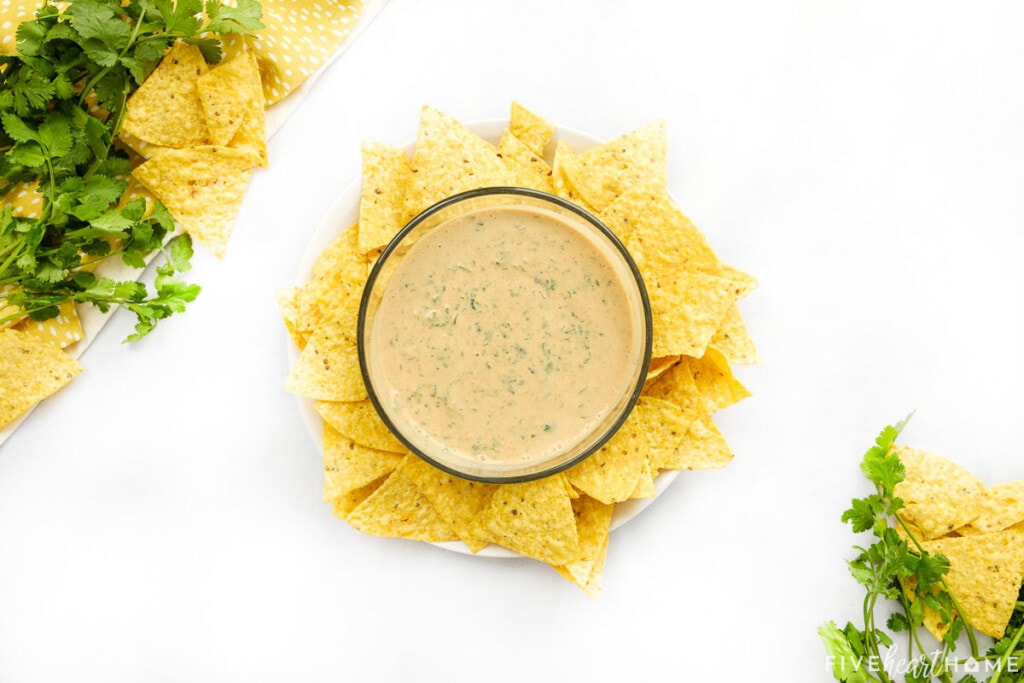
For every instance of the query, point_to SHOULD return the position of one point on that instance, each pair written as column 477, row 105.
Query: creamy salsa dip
column 505, row 335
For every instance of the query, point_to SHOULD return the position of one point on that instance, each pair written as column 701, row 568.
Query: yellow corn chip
column 562, row 167
column 715, row 381
column 938, row 495
column 166, row 109
column 1002, row 506
column 251, row 136
column 732, row 339
column 703, row 448
column 450, row 158
column 535, row 519
column 342, row 505
column 593, row 523
column 985, row 574
column 32, row 369
column 645, row 484
column 288, row 307
column 386, row 176
column 606, row 171
column 534, row 131
column 349, row 466
column 228, row 92
column 458, row 501
column 63, row 330
column 658, row 367
column 339, row 274
column 744, row 283
column 659, row 234
column 686, row 310
column 611, row 474
column 328, row 367
column 358, row 420
column 529, row 168
column 667, row 426
column 203, row 188
column 398, row 509
column 676, row 385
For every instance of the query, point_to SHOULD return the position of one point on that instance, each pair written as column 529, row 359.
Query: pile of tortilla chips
column 979, row 529
column 373, row 483
column 200, row 130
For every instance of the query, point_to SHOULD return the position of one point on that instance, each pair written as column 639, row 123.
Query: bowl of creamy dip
column 504, row 334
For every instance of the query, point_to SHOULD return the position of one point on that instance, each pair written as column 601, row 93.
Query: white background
column 160, row 518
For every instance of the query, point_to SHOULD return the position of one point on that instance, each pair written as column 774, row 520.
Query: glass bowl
column 504, row 334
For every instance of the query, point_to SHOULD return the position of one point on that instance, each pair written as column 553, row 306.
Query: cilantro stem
column 1004, row 660
column 971, row 638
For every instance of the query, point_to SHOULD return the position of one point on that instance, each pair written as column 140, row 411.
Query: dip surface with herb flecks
column 505, row 335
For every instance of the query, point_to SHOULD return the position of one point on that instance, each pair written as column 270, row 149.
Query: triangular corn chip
column 166, row 109
column 203, row 188
column 32, row 369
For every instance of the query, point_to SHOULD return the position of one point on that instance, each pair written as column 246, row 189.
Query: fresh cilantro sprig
column 897, row 572
column 63, row 98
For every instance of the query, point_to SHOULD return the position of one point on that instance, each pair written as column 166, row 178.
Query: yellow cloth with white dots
column 297, row 38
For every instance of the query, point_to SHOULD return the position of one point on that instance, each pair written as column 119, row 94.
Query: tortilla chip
column 450, row 158
column 286, row 299
column 397, row 509
column 985, row 575
column 703, row 448
column 203, row 188
column 344, row 504
column 458, row 501
column 339, row 274
column 715, row 381
column 32, row 369
column 228, row 92
column 386, row 176
column 732, row 339
column 743, row 283
column 349, row 466
column 606, row 171
column 658, row 367
column 611, row 474
column 251, row 136
column 328, row 367
column 358, row 420
column 534, row 131
column 563, row 165
column 658, row 233
column 529, row 168
column 938, row 495
column 645, row 484
column 1002, row 506
column 166, row 109
column 686, row 310
column 534, row 519
column 593, row 523
column 677, row 386
column 667, row 426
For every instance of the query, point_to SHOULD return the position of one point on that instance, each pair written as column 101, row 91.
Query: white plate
column 343, row 213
